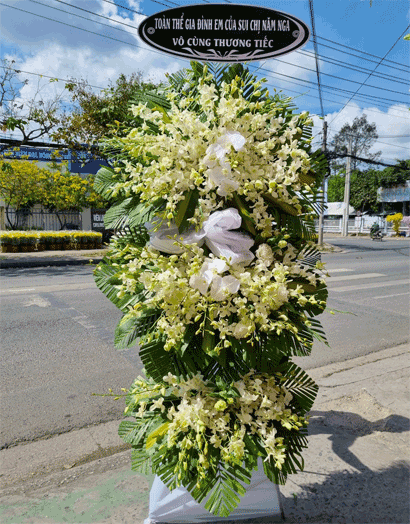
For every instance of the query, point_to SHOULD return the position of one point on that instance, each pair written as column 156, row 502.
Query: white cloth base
column 178, row 506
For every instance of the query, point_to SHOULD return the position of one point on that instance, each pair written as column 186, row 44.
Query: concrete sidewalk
column 52, row 258
column 356, row 466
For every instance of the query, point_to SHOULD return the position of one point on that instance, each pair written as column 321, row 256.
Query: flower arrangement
column 214, row 267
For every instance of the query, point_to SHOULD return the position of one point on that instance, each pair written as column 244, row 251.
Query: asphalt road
column 57, row 335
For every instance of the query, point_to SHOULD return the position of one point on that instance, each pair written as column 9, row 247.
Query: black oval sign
column 224, row 32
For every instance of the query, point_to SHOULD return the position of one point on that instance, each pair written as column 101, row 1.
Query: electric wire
column 359, row 51
column 353, row 67
column 282, row 61
column 84, row 17
column 139, row 47
column 364, row 82
column 364, row 58
column 95, row 14
column 312, row 20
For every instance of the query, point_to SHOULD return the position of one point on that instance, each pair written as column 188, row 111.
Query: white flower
column 219, row 172
column 265, row 254
column 221, row 287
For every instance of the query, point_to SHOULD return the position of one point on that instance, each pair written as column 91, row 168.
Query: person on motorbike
column 375, row 231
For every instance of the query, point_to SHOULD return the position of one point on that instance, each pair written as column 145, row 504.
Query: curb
column 13, row 264
column 81, row 446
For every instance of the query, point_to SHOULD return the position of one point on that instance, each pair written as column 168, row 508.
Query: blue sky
column 353, row 37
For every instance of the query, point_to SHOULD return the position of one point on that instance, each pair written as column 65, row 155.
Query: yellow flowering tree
column 396, row 220
column 24, row 183
column 215, row 270
column 21, row 186
column 65, row 192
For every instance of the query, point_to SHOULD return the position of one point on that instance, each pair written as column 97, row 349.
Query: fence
column 359, row 225
column 42, row 220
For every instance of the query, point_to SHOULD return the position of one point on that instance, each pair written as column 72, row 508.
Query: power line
column 132, row 10
column 363, row 57
column 381, row 60
column 96, row 14
column 81, row 29
column 312, row 19
column 326, row 86
column 134, row 45
column 84, row 17
column 359, row 69
column 282, row 61
column 358, row 50
column 18, row 71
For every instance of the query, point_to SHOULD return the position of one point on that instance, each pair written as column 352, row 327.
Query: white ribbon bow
column 216, row 233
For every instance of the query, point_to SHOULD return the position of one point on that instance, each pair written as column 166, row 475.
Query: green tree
column 364, row 185
column 363, row 135
column 96, row 116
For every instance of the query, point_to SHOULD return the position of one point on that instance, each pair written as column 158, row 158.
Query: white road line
column 17, row 290
column 388, row 296
column 50, row 289
column 355, row 277
column 369, row 286
column 341, row 270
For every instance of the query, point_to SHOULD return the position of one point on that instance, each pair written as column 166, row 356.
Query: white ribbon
column 215, row 159
column 216, row 233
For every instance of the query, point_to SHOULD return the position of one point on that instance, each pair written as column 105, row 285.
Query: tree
column 24, row 184
column 29, row 120
column 65, row 192
column 21, row 186
column 364, row 185
column 98, row 115
column 363, row 135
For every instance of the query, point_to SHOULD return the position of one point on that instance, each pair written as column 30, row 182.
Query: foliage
column 23, row 184
column 364, row 185
column 14, row 241
column 363, row 136
column 396, row 219
column 98, row 115
column 215, row 161
column 31, row 118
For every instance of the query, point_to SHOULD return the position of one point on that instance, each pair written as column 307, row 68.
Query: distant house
column 395, row 198
column 335, row 210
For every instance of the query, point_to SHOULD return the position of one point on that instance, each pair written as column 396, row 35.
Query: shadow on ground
column 353, row 497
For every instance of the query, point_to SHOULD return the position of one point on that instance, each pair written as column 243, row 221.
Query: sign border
column 300, row 41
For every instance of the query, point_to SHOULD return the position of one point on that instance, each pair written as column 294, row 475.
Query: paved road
column 58, row 329
column 369, row 281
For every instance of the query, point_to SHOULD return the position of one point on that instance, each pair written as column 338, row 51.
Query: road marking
column 355, row 277
column 341, row 270
column 50, row 289
column 388, row 296
column 36, row 300
column 18, row 290
column 369, row 286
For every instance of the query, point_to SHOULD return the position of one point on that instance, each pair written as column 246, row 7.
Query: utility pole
column 321, row 216
column 345, row 222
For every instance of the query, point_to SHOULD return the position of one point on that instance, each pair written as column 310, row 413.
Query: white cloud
column 294, row 66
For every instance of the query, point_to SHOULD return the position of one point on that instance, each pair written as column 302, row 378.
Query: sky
column 363, row 60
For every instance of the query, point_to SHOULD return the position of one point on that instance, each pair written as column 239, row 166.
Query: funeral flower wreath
column 214, row 190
